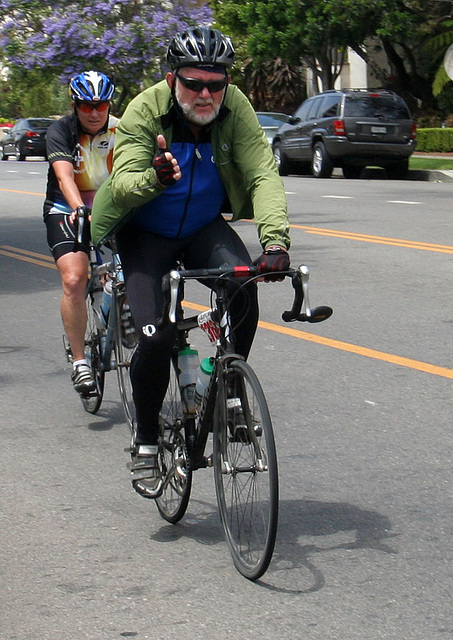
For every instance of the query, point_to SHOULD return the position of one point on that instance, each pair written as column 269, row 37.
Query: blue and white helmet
column 91, row 86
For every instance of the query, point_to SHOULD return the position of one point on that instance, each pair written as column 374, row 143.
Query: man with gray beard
column 187, row 150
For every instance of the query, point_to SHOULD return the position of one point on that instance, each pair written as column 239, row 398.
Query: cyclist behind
column 80, row 150
column 183, row 148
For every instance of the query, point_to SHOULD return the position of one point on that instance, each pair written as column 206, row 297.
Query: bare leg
column 73, row 269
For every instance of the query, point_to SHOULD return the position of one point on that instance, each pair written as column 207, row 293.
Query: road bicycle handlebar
column 300, row 311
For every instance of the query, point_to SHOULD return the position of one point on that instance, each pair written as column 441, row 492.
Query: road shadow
column 306, row 529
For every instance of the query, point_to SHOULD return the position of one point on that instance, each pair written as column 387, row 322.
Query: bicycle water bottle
column 188, row 363
column 203, row 377
column 106, row 302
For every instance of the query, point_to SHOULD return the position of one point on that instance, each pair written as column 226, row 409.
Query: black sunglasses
column 198, row 85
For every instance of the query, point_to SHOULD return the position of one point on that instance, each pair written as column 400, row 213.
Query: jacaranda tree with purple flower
column 126, row 39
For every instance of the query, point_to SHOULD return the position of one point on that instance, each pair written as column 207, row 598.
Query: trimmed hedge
column 440, row 140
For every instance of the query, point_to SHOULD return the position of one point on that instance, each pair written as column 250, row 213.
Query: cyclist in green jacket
column 184, row 148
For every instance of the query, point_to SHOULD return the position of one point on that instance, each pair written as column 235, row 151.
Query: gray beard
column 190, row 114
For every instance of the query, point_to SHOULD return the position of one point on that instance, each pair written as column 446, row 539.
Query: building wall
column 354, row 73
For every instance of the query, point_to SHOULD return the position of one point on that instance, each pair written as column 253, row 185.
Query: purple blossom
column 123, row 38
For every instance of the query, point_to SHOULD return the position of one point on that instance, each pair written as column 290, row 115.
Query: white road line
column 403, row 202
column 340, row 197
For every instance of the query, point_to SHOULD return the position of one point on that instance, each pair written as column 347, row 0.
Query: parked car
column 5, row 128
column 347, row 128
column 271, row 121
column 26, row 138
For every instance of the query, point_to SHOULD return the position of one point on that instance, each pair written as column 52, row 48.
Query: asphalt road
column 362, row 408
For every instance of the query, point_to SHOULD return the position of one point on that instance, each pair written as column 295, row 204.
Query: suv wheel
column 397, row 169
column 322, row 165
column 280, row 159
column 20, row 156
column 3, row 155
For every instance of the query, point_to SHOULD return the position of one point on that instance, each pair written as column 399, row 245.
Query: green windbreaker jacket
column 242, row 155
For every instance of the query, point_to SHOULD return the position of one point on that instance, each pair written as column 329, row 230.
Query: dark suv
column 348, row 128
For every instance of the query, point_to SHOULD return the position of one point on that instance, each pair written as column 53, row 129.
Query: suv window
column 303, row 110
column 374, row 106
column 39, row 122
column 314, row 108
column 330, row 106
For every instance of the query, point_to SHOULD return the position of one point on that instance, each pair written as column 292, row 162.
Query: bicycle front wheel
column 93, row 401
column 173, row 456
column 126, row 341
column 245, row 468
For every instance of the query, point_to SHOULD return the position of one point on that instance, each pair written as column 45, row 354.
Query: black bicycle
column 235, row 410
column 110, row 339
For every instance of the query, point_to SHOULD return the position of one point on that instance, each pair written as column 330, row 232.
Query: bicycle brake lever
column 79, row 223
column 175, row 277
column 301, row 309
column 300, row 286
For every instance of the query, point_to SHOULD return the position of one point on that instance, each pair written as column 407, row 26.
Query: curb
column 430, row 176
column 413, row 174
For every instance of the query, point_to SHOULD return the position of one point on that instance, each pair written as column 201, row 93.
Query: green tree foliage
column 312, row 32
column 317, row 33
column 438, row 45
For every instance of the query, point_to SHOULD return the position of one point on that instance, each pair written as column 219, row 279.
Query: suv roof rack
column 361, row 90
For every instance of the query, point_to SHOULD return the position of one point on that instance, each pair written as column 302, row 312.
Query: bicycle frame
column 196, row 440
column 114, row 271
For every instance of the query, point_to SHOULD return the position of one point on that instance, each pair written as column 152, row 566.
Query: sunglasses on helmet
column 87, row 107
column 198, row 85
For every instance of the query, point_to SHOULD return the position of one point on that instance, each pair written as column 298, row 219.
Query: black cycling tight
column 146, row 257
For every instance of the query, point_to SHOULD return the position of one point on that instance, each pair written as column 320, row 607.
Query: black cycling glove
column 163, row 168
column 272, row 261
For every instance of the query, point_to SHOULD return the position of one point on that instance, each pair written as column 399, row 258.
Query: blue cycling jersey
column 192, row 202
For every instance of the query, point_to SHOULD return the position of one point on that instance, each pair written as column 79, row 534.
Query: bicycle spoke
column 125, row 344
column 92, row 402
column 174, row 459
column 246, row 471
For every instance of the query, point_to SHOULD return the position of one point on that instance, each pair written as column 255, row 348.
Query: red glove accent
column 273, row 261
column 163, row 168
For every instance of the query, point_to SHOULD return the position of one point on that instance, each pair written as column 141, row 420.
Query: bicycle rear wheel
column 93, row 401
column 245, row 469
column 173, row 456
column 126, row 341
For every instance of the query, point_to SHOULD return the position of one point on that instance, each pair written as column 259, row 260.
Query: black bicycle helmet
column 198, row 47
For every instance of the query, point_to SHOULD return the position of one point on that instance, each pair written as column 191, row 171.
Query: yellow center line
column 362, row 237
column 27, row 256
column 346, row 346
column 408, row 244
column 346, row 235
column 27, row 193
column 361, row 351
column 25, row 252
